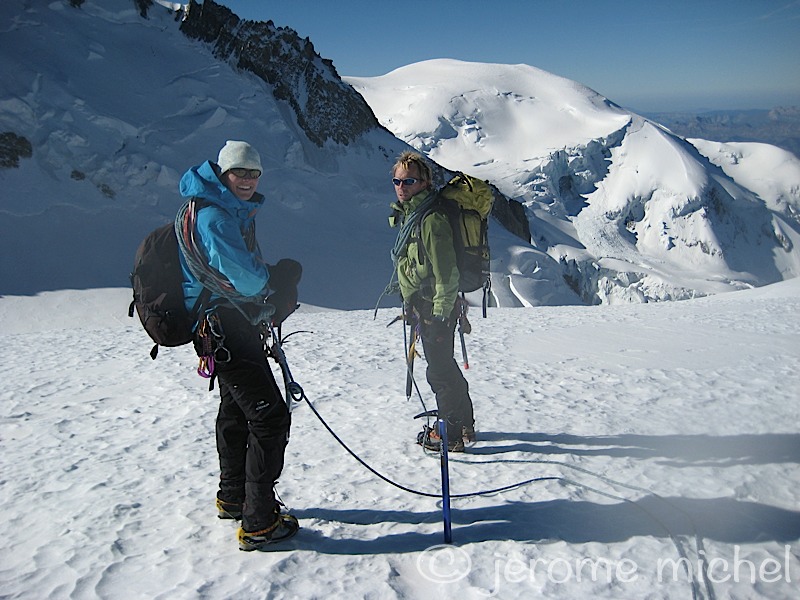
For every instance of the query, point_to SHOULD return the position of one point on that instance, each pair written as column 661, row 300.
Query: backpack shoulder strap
column 451, row 210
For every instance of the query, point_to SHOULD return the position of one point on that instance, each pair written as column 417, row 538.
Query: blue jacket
column 220, row 224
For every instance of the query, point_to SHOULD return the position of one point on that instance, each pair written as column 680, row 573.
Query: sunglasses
column 407, row 181
column 246, row 173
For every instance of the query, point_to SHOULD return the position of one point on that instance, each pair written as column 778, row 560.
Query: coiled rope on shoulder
column 411, row 222
column 197, row 261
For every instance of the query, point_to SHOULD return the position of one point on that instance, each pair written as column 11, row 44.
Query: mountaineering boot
column 284, row 527
column 229, row 510
column 430, row 439
column 468, row 434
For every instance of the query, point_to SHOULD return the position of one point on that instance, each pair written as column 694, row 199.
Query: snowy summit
column 628, row 210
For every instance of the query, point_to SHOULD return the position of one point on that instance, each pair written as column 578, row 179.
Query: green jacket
column 432, row 272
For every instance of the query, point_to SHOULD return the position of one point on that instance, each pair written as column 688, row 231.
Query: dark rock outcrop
column 325, row 106
column 12, row 148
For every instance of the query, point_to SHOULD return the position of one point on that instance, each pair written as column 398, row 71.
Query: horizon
column 681, row 57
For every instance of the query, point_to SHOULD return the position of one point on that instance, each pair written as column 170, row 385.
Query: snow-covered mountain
column 103, row 105
column 628, row 209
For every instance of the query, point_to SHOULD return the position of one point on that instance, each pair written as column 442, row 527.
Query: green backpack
column 467, row 202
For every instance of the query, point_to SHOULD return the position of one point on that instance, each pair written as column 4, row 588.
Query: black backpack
column 158, row 299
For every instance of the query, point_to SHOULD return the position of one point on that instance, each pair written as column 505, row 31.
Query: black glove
column 438, row 329
column 286, row 272
column 285, row 303
column 283, row 278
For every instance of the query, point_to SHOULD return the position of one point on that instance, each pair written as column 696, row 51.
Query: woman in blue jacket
column 252, row 426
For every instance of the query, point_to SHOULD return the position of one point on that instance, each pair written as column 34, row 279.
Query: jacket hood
column 202, row 182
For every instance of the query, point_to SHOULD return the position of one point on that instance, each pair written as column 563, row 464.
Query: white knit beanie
column 238, row 155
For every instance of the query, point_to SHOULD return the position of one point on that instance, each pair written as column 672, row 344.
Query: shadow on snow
column 724, row 520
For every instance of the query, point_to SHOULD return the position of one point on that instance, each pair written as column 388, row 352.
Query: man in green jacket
column 427, row 272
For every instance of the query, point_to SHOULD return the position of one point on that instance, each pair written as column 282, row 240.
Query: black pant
column 446, row 379
column 252, row 424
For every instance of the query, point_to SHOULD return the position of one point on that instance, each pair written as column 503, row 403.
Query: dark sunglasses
column 406, row 181
column 246, row 173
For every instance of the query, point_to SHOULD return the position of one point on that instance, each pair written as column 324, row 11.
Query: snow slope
column 651, row 432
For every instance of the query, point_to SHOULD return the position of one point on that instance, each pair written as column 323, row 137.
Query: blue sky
column 650, row 56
